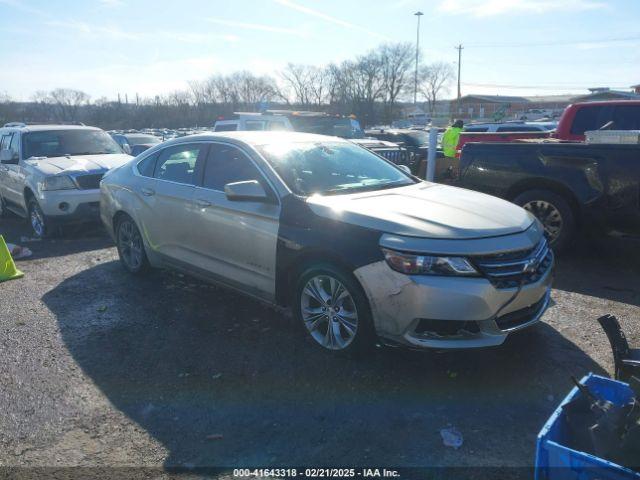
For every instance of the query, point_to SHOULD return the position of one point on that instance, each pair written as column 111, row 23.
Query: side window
column 273, row 125
column 254, row 125
column 476, row 129
column 14, row 146
column 148, row 165
column 626, row 117
column 225, row 127
column 178, row 164
column 227, row 164
column 5, row 141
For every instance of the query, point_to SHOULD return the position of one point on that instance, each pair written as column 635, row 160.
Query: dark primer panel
column 303, row 235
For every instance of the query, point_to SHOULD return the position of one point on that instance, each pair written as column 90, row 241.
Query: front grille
column 89, row 182
column 445, row 328
column 399, row 157
column 508, row 270
column 520, row 317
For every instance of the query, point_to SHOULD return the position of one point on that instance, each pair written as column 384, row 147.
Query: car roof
column 45, row 127
column 256, row 138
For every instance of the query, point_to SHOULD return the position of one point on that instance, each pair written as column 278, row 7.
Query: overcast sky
column 512, row 47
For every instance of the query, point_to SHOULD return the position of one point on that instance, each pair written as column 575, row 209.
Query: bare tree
column 435, row 80
column 396, row 61
column 67, row 101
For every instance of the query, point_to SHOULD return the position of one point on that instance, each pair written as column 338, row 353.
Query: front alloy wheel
column 37, row 220
column 329, row 312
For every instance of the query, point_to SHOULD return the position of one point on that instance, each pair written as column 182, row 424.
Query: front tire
column 38, row 221
column 333, row 309
column 555, row 214
column 131, row 247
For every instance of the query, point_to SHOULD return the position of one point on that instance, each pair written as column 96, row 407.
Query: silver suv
column 354, row 245
column 51, row 174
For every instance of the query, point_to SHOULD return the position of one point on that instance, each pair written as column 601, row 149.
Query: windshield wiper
column 365, row 188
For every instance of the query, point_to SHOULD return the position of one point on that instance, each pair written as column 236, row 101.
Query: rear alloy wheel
column 37, row 219
column 131, row 247
column 333, row 309
column 554, row 214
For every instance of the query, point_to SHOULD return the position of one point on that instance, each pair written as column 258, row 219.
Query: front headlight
column 413, row 264
column 58, row 182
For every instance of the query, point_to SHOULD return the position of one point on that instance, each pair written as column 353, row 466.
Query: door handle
column 202, row 203
column 147, row 192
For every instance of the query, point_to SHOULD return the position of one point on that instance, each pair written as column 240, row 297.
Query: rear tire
column 3, row 209
column 555, row 214
column 131, row 246
column 333, row 310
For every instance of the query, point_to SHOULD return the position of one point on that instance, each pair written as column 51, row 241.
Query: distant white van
column 241, row 121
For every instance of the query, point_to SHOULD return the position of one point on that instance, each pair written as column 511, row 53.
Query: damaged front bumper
column 423, row 311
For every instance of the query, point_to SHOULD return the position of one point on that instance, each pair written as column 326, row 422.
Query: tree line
column 370, row 86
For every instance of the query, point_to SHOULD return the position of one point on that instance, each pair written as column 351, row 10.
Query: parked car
column 565, row 185
column 575, row 120
column 50, row 174
column 415, row 141
column 242, row 121
column 323, row 123
column 135, row 143
column 354, row 245
column 389, row 150
column 509, row 127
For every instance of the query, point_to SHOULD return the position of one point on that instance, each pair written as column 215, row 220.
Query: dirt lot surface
column 100, row 368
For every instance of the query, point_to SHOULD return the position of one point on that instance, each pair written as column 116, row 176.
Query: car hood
column 79, row 163
column 426, row 210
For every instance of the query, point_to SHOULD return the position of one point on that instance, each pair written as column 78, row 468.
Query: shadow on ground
column 605, row 267
column 222, row 380
column 73, row 239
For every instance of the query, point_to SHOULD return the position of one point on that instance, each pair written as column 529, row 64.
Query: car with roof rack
column 50, row 174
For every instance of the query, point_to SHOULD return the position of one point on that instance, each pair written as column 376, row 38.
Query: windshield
column 142, row 139
column 328, row 168
column 57, row 143
column 333, row 126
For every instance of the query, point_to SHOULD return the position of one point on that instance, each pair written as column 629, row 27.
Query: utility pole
column 415, row 84
column 459, row 48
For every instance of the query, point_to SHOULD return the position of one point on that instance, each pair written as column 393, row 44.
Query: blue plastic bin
column 554, row 461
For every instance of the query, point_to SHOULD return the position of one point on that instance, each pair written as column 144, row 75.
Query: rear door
column 236, row 240
column 166, row 216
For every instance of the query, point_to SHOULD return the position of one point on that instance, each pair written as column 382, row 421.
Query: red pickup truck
column 575, row 120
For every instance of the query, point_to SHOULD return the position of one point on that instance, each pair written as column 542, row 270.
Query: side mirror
column 8, row 157
column 126, row 148
column 405, row 169
column 248, row 191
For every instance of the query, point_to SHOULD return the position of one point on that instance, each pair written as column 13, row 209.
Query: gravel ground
column 102, row 369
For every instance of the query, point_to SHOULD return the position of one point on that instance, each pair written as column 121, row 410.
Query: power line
column 554, row 44
column 540, row 86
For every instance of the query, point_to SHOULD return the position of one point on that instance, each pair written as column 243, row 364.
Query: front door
column 236, row 240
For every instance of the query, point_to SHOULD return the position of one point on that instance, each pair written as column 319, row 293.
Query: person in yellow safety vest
column 450, row 139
